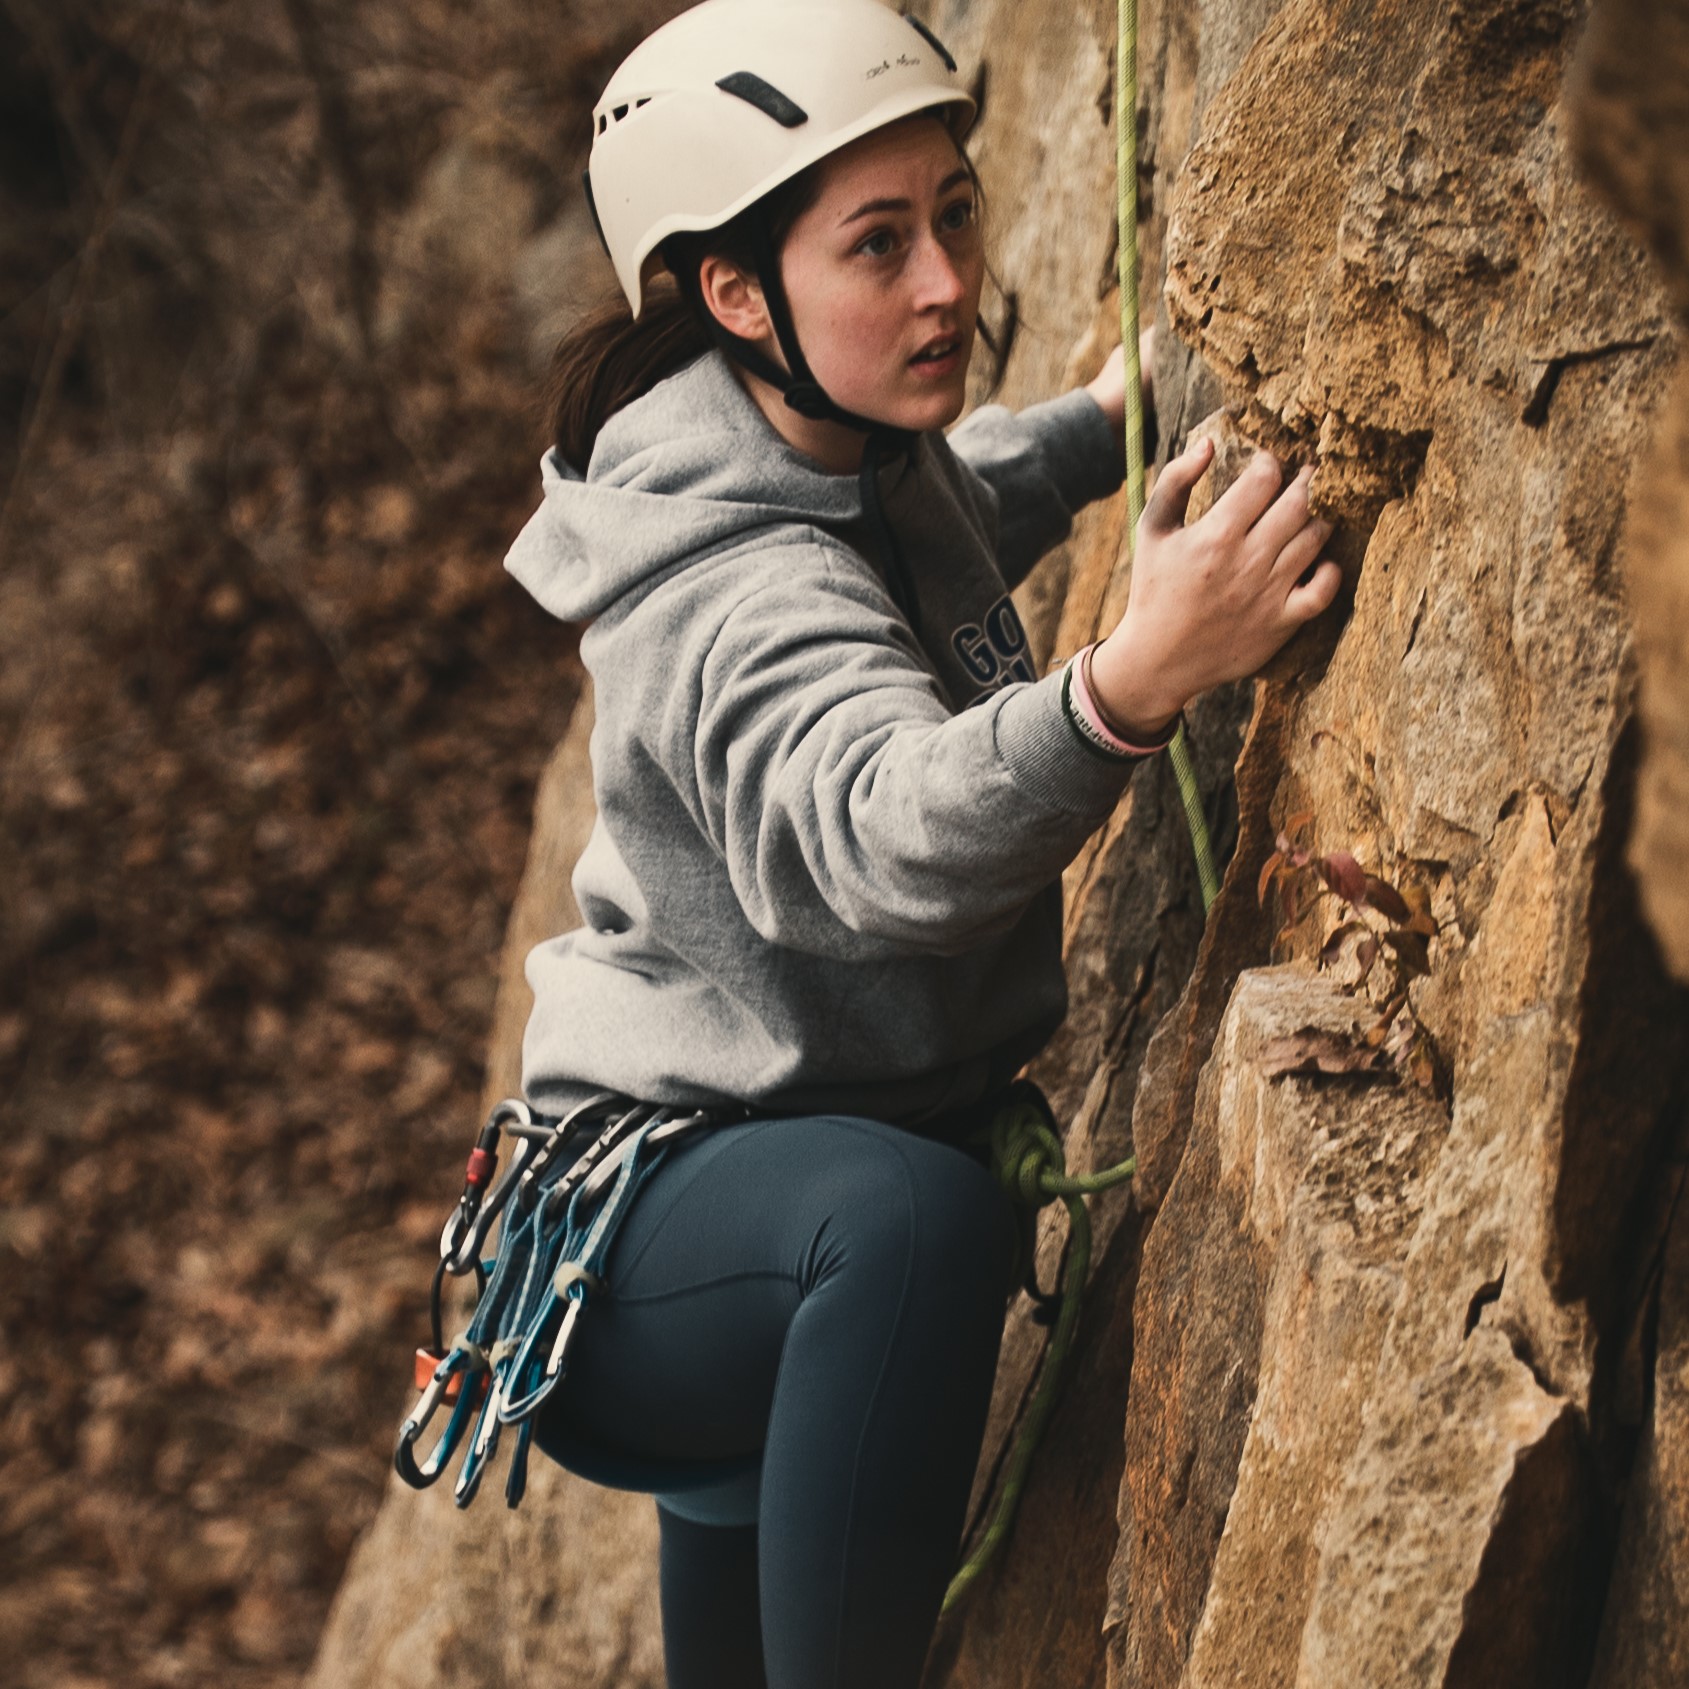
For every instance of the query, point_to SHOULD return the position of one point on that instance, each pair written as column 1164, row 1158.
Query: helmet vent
column 746, row 85
column 616, row 116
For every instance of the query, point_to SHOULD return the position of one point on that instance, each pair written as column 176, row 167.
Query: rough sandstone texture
column 562, row 1590
column 1381, row 248
column 1379, row 1382
column 1631, row 120
column 1631, row 124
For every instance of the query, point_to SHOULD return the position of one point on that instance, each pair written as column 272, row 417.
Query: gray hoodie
column 825, row 873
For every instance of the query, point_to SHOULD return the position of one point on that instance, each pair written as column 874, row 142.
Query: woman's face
column 883, row 274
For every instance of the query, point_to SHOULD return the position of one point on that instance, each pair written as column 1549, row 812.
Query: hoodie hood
column 690, row 467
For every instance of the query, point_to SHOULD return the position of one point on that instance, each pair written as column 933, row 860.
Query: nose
column 939, row 282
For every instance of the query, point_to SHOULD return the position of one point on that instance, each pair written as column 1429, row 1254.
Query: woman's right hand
column 1211, row 602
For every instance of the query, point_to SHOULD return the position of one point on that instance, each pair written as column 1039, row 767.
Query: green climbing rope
column 1027, row 1159
column 1126, row 164
column 1026, row 1154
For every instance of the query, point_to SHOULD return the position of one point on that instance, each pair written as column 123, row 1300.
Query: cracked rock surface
column 1382, row 1376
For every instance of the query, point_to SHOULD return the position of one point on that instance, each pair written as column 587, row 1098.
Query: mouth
column 939, row 354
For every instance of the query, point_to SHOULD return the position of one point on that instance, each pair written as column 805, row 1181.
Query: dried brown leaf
column 1268, row 868
column 1292, row 902
column 1382, row 1028
column 1344, row 875
column 1384, row 897
column 1409, row 949
column 1333, row 946
column 1293, row 854
column 1318, row 1049
column 1418, row 899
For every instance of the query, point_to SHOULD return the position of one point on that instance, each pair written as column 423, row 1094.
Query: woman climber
column 821, row 898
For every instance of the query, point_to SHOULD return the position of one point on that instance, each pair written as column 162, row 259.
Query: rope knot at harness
column 1024, row 1151
column 1028, row 1160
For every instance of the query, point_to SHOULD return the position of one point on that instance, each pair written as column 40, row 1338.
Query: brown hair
column 608, row 359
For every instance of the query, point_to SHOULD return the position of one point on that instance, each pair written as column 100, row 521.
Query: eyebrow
column 953, row 180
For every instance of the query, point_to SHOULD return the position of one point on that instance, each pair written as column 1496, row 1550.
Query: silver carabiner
column 565, row 1335
column 669, row 1130
column 420, row 1474
column 463, row 1236
column 477, row 1207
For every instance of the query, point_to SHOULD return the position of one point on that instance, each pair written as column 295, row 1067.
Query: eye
column 880, row 244
column 956, row 216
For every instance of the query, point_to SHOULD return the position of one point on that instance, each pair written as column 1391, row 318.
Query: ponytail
column 606, row 360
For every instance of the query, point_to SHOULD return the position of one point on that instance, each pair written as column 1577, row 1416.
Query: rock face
column 564, row 1589
column 1384, row 1372
column 1632, row 127
column 1382, row 250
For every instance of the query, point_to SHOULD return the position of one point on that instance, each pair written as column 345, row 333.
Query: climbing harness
column 560, row 1217
column 1126, row 161
column 570, row 1185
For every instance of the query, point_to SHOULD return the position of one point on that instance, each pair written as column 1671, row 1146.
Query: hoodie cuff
column 1049, row 760
column 1085, row 459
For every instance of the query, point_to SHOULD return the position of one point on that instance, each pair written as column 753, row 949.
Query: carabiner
column 483, row 1445
column 513, row 1407
column 467, row 1224
column 420, row 1474
column 466, row 1228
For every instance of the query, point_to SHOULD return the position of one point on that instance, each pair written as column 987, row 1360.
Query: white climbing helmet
column 734, row 97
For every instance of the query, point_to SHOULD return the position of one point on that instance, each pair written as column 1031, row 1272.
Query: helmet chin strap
column 802, row 392
column 795, row 383
column 805, row 395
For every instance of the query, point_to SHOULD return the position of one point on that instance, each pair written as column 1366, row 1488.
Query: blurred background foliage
column 277, row 285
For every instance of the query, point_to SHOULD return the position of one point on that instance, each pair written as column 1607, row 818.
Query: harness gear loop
column 560, row 1218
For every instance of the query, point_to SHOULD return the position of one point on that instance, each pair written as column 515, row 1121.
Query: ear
column 735, row 298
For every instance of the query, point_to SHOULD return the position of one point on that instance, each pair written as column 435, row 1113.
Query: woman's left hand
column 1108, row 385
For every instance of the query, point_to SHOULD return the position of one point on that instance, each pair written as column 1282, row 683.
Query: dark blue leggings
column 827, row 1293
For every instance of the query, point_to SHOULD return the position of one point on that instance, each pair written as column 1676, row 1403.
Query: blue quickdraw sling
column 561, row 1216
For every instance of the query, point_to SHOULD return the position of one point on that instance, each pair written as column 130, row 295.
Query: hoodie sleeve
column 1044, row 464
column 856, row 815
